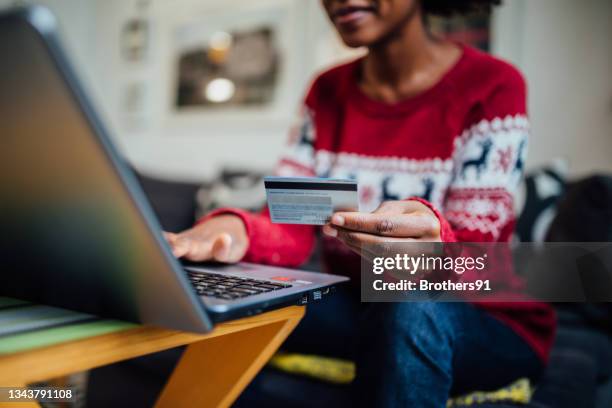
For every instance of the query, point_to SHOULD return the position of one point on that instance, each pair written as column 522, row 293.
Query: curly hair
column 448, row 8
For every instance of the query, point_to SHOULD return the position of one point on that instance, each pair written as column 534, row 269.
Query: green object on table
column 25, row 326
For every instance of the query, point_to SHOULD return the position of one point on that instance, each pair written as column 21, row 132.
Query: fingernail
column 222, row 247
column 338, row 220
column 222, row 254
column 330, row 231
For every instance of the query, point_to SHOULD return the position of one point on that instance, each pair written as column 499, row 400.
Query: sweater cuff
column 446, row 232
column 242, row 214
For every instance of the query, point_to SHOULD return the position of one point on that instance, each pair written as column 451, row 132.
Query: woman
column 435, row 134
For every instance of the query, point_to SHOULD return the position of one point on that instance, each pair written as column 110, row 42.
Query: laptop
column 77, row 230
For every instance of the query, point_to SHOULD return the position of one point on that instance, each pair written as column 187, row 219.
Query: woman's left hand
column 392, row 221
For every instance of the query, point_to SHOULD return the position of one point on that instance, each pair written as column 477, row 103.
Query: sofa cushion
column 173, row 202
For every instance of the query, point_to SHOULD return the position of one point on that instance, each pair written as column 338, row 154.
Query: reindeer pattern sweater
column 459, row 145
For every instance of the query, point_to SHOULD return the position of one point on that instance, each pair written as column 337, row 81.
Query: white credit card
column 312, row 201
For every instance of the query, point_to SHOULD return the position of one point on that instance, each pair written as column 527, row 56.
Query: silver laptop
column 77, row 230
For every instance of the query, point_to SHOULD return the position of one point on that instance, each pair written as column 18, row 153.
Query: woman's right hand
column 222, row 238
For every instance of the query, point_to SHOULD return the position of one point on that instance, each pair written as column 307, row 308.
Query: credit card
column 305, row 200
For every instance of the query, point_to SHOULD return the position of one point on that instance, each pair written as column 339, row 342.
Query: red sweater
column 459, row 145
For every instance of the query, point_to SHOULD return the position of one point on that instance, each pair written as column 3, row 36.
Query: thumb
column 180, row 247
column 169, row 236
column 222, row 247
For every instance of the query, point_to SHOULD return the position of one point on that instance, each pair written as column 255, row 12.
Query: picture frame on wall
column 235, row 67
column 238, row 63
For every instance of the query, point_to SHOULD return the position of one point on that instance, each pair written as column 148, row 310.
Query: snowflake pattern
column 473, row 188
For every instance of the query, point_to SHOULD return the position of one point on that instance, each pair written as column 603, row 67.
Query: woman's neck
column 406, row 63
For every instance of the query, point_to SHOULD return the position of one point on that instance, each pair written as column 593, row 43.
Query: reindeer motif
column 386, row 195
column 478, row 163
column 519, row 164
column 429, row 186
column 306, row 134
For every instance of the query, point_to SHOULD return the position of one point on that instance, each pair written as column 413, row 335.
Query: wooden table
column 213, row 371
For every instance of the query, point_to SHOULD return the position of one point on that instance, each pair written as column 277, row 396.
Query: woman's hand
column 222, row 238
column 392, row 221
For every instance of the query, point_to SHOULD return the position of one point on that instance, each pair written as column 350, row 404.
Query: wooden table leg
column 213, row 372
column 32, row 404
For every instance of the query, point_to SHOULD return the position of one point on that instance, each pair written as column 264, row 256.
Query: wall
column 79, row 34
column 191, row 146
column 562, row 46
column 564, row 49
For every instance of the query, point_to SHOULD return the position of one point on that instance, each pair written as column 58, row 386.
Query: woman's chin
column 358, row 39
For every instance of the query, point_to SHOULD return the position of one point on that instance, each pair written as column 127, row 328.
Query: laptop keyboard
column 231, row 287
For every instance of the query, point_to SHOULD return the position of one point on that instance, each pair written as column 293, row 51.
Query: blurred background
column 200, row 95
column 190, row 87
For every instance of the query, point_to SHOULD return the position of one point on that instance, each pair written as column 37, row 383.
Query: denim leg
column 417, row 354
column 405, row 355
column 489, row 355
column 329, row 328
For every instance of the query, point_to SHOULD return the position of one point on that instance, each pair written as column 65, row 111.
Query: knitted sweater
column 459, row 146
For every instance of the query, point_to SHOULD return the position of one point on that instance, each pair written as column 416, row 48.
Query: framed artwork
column 237, row 62
column 230, row 68
column 135, row 105
column 135, row 37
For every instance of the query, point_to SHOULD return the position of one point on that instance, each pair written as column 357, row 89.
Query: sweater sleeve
column 282, row 244
column 488, row 164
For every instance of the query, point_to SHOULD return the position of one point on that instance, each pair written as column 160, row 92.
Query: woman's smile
column 351, row 15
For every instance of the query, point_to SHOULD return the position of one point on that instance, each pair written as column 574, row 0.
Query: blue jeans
column 415, row 354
